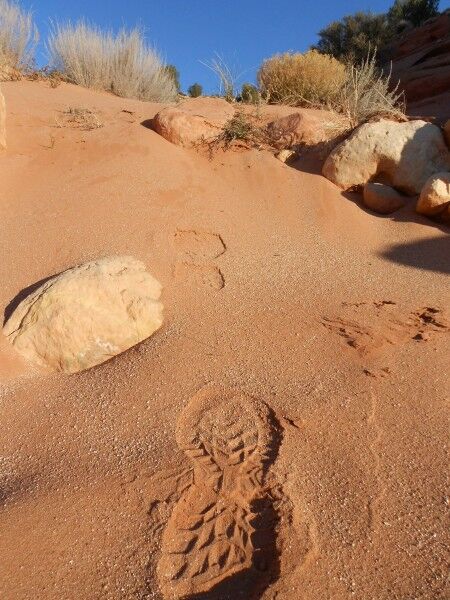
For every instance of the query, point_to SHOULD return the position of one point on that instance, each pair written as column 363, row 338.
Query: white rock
column 382, row 198
column 87, row 314
column 435, row 197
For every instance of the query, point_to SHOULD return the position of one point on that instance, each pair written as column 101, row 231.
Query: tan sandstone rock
column 421, row 61
column 405, row 154
column 87, row 314
column 302, row 128
column 447, row 132
column 434, row 199
column 193, row 120
column 382, row 198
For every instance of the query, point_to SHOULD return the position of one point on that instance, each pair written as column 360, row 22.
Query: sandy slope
column 274, row 283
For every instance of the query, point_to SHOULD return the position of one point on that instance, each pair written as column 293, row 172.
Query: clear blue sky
column 186, row 32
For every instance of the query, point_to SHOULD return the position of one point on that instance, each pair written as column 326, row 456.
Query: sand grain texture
column 333, row 319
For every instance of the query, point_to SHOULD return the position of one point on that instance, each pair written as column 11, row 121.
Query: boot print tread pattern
column 217, row 529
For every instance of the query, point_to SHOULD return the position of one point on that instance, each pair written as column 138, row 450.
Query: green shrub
column 349, row 40
column 414, row 11
column 195, row 90
column 310, row 79
column 243, row 128
column 250, row 94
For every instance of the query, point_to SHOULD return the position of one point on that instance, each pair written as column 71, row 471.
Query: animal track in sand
column 197, row 245
column 369, row 327
column 221, row 533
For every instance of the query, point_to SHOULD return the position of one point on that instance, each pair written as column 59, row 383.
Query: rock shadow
column 14, row 303
column 432, row 254
column 148, row 124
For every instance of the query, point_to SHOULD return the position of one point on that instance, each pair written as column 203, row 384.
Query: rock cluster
column 405, row 155
column 411, row 158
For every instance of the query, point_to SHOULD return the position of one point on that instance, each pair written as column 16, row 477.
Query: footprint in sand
column 197, row 250
column 369, row 327
column 200, row 275
column 221, row 532
column 199, row 244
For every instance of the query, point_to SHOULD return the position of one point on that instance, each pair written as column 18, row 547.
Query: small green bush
column 250, row 94
column 242, row 128
column 173, row 72
column 195, row 90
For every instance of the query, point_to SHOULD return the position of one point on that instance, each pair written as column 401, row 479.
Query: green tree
column 172, row 71
column 352, row 38
column 195, row 90
column 414, row 11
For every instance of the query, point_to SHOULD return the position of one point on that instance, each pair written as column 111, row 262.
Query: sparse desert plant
column 310, row 79
column 243, row 128
column 226, row 75
column 18, row 37
column 250, row 94
column 368, row 93
column 81, row 118
column 51, row 76
column 195, row 90
column 123, row 64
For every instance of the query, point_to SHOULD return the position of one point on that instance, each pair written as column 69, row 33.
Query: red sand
column 316, row 307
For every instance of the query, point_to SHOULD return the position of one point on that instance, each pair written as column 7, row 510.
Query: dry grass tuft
column 80, row 118
column 123, row 64
column 311, row 79
column 18, row 37
column 51, row 76
column 367, row 94
column 357, row 92
column 226, row 75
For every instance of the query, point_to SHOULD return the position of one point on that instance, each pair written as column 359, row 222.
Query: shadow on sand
column 432, row 254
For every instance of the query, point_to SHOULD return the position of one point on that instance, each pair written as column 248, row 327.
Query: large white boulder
column 87, row 314
column 406, row 155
